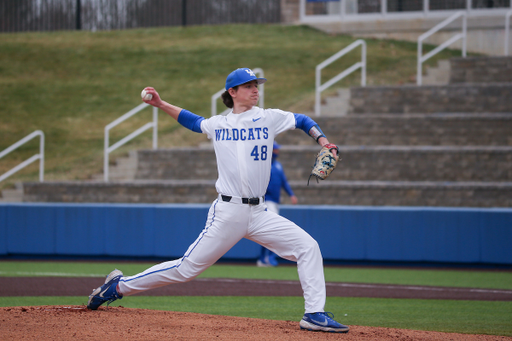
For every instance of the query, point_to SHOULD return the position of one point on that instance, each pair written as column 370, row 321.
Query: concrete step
column 327, row 192
column 451, row 98
column 405, row 193
column 410, row 129
column 123, row 169
column 12, row 194
column 137, row 191
column 177, row 164
column 404, row 163
column 439, row 75
column 389, row 163
column 338, row 105
column 481, row 70
column 471, row 70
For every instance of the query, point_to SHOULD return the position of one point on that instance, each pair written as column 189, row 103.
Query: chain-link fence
column 50, row 15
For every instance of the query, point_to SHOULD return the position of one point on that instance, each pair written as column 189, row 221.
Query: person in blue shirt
column 272, row 199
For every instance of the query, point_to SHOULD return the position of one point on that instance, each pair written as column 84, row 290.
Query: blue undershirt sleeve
column 304, row 122
column 190, row 120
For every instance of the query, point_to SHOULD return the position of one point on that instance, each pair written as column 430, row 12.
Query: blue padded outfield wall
column 345, row 233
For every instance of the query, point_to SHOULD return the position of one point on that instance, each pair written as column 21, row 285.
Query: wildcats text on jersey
column 243, row 134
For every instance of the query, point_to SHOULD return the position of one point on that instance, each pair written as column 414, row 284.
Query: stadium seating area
column 433, row 145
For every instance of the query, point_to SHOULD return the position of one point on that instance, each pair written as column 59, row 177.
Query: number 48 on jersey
column 259, row 153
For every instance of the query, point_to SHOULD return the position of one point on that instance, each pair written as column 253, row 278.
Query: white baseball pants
column 227, row 224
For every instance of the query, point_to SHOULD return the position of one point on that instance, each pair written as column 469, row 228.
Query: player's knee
column 188, row 274
column 189, row 270
column 311, row 246
column 314, row 245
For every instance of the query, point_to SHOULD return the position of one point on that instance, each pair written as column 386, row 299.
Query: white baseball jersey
column 247, row 138
column 243, row 145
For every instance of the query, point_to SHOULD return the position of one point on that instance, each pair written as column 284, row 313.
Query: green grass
column 72, row 84
column 470, row 317
column 448, row 278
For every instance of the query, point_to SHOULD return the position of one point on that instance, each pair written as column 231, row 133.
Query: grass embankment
column 72, row 84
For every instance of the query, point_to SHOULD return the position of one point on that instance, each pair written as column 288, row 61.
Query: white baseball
column 145, row 96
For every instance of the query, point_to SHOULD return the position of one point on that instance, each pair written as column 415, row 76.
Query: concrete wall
column 403, row 163
column 177, row 163
column 481, row 70
column 329, row 192
column 404, row 193
column 486, row 34
column 142, row 191
column 289, row 11
column 410, row 130
column 352, row 233
column 453, row 98
column 397, row 163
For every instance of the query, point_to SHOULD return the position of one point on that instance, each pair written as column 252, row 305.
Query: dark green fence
column 52, row 15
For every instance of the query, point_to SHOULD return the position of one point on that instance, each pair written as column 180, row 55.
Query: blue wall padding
column 344, row 233
column 3, row 229
column 410, row 234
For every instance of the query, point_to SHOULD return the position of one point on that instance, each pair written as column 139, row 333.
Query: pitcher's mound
column 118, row 323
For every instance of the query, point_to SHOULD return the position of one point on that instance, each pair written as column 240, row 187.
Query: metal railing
column 352, row 10
column 507, row 30
column 462, row 35
column 362, row 64
column 109, row 149
column 25, row 163
column 218, row 94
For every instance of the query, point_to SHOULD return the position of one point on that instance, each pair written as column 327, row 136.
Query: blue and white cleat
column 322, row 322
column 107, row 292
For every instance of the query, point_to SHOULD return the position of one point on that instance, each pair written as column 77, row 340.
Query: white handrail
column 423, row 10
column 108, row 149
column 218, row 94
column 362, row 64
column 25, row 163
column 507, row 30
column 422, row 59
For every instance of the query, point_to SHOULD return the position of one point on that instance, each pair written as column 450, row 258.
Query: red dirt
column 118, row 323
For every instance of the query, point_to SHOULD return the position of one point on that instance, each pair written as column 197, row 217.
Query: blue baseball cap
column 276, row 146
column 242, row 76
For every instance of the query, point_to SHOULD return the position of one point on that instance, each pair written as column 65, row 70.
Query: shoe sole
column 97, row 291
column 92, row 296
column 315, row 328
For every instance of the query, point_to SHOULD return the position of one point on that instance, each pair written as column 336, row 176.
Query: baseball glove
column 325, row 162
